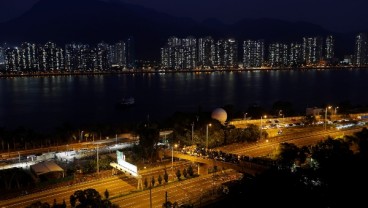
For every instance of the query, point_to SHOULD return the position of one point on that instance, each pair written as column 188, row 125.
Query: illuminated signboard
column 127, row 166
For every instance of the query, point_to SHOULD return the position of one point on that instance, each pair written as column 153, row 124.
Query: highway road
column 194, row 191
column 302, row 137
column 72, row 146
column 115, row 185
column 123, row 191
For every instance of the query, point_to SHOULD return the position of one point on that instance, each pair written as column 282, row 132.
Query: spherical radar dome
column 219, row 114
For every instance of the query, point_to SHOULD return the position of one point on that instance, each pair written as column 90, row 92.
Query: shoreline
column 151, row 71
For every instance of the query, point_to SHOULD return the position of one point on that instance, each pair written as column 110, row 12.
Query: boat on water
column 126, row 102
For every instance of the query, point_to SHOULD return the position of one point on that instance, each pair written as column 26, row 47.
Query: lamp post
column 116, row 139
column 207, row 135
column 245, row 116
column 98, row 167
column 281, row 114
column 172, row 156
column 19, row 156
column 328, row 107
column 192, row 132
column 336, row 110
column 81, row 136
column 260, row 132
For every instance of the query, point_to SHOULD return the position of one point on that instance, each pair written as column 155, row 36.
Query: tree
column 190, row 171
column 159, row 179
column 287, row 155
column 107, row 194
column 153, row 181
column 166, row 177
column 90, row 198
column 251, row 133
column 72, row 200
column 145, row 183
column 149, row 136
column 178, row 174
column 227, row 133
column 39, row 204
column 185, row 174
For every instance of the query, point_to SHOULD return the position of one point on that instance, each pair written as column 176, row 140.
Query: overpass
column 243, row 166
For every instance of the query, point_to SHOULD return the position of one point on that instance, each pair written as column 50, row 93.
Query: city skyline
column 338, row 16
column 189, row 53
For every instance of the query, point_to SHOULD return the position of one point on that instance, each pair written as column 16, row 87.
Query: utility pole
column 165, row 198
column 98, row 168
column 150, row 196
column 192, row 132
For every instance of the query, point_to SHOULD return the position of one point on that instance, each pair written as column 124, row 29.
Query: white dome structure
column 219, row 114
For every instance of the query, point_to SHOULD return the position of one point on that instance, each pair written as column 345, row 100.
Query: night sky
column 336, row 15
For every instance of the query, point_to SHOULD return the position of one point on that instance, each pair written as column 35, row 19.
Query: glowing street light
column 207, row 135
column 336, row 109
column 245, row 116
column 172, row 155
column 281, row 114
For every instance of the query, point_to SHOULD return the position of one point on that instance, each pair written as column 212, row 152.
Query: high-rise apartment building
column 117, row 55
column 361, row 49
column 278, row 55
column 226, row 53
column 179, row 53
column 30, row 57
column 12, row 59
column 53, row 57
column 330, row 47
column 2, row 55
column 312, row 50
column 296, row 55
column 189, row 47
column 253, row 53
column 102, row 61
column 130, row 52
column 73, row 57
column 206, row 52
column 88, row 58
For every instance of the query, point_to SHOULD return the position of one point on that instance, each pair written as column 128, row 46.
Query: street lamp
column 172, row 156
column 98, row 167
column 19, row 156
column 245, row 116
column 281, row 114
column 336, row 109
column 328, row 107
column 207, row 135
column 81, row 136
column 260, row 134
column 192, row 132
